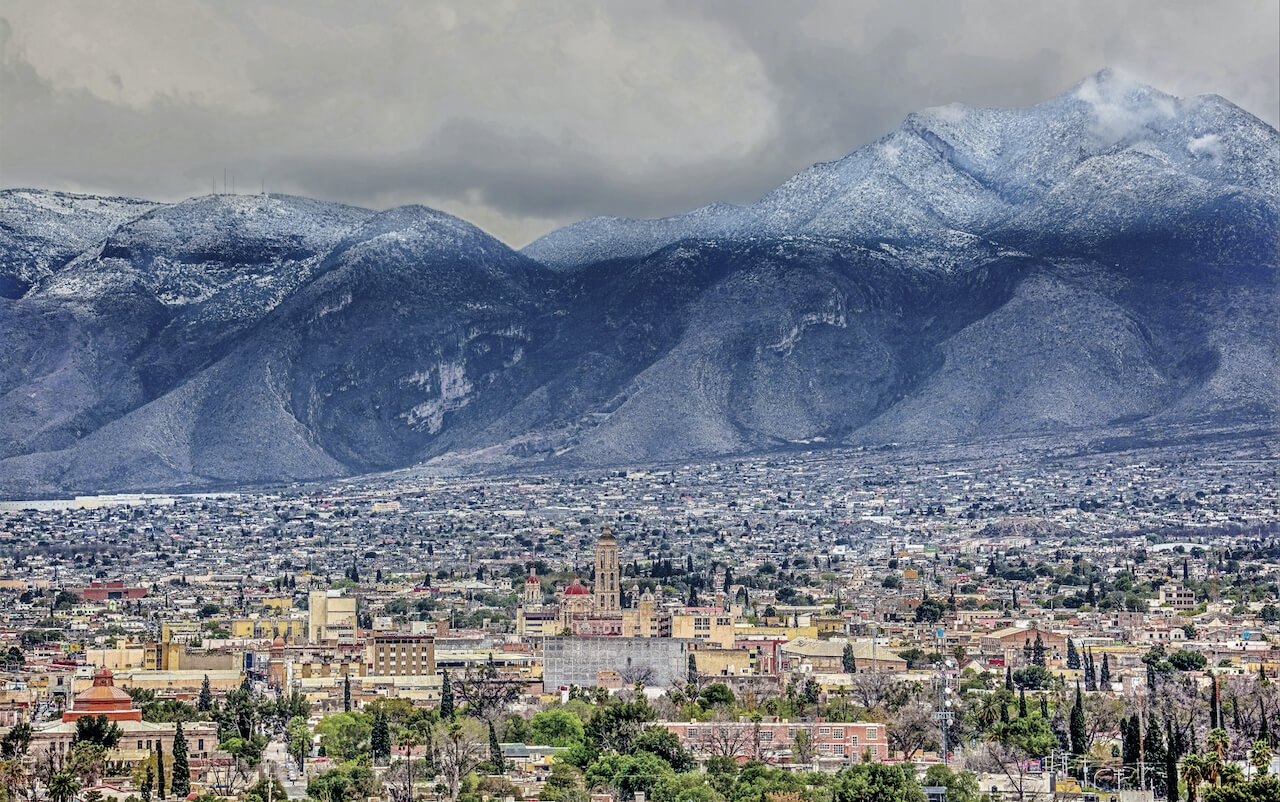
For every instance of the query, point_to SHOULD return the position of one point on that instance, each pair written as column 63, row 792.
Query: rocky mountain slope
column 1105, row 258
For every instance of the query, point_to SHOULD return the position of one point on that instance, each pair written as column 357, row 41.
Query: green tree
column 1075, row 725
column 204, row 702
column 16, row 742
column 556, row 728
column 98, row 730
column 344, row 736
column 63, row 787
column 1031, row 734
column 160, row 784
column 148, row 783
column 380, row 740
column 716, row 694
column 665, row 744
column 299, row 736
column 877, row 782
column 181, row 783
column 447, row 711
column 848, row 660
column 496, row 759
column 962, row 786
column 346, row 690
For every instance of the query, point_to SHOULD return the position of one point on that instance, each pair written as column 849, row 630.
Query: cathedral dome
column 576, row 589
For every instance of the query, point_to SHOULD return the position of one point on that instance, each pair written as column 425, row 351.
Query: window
column 139, row 743
column 853, row 741
column 824, row 730
column 200, row 745
column 766, row 736
column 838, row 732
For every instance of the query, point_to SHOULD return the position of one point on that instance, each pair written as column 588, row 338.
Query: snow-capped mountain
column 1105, row 258
column 1107, row 157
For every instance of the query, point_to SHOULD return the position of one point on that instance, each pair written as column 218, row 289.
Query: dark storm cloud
column 521, row 117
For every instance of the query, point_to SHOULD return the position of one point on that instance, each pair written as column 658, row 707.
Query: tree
column 344, row 736
column 1195, row 770
column 486, row 692
column 1170, row 764
column 380, row 741
column 928, row 611
column 181, row 783
column 1184, row 660
column 346, row 687
column 447, row 711
column 1260, row 757
column 148, row 783
column 1104, row 678
column 848, row 661
column 878, row 782
column 299, row 736
column 912, row 729
column 1153, row 753
column 1073, row 657
column 496, row 759
column 1037, row 652
column 14, row 744
column 63, row 787
column 802, row 748
column 556, row 728
column 458, row 748
column 204, row 702
column 716, row 694
column 665, row 744
column 98, row 730
column 962, row 786
column 1077, row 732
column 86, row 761
column 160, row 769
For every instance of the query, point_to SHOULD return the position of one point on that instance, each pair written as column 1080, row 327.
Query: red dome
column 533, row 580
column 576, row 589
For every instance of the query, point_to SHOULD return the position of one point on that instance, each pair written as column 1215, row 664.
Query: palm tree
column 1260, row 757
column 1217, row 744
column 63, row 787
column 1195, row 769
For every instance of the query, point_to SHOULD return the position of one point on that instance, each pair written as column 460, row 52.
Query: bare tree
column 459, row 748
column 996, row 757
column 723, row 737
column 872, row 688
column 913, row 729
column 486, row 691
column 400, row 777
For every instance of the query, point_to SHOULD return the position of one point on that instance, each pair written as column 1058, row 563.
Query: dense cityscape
column 1021, row 620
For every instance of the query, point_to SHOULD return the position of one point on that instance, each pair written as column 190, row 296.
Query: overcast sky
column 523, row 116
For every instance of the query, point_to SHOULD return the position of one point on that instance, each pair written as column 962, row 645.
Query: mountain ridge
column 1105, row 258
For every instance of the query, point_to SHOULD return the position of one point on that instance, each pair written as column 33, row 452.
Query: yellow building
column 331, row 617
column 705, row 624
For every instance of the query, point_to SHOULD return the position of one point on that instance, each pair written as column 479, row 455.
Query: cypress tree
column 1073, row 657
column 1215, row 704
column 1132, row 743
column 1044, row 706
column 1004, row 711
column 495, row 752
column 1037, row 651
column 181, row 784
column 446, row 698
column 148, row 782
column 1076, row 725
column 204, row 702
column 1022, row 703
column 1105, row 678
column 1008, row 679
column 160, row 768
column 380, row 740
column 1153, row 752
column 1170, row 765
column 346, row 693
column 1264, row 729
